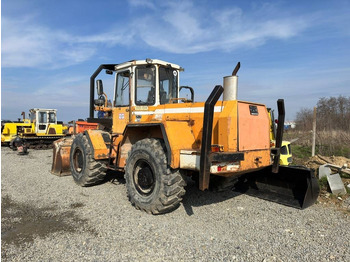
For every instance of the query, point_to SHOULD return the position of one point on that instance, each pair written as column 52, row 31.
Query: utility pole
column 313, row 133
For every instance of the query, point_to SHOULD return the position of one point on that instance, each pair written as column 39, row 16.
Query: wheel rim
column 78, row 160
column 144, row 178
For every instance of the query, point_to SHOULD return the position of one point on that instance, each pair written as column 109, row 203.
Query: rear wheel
column 12, row 146
column 86, row 171
column 152, row 186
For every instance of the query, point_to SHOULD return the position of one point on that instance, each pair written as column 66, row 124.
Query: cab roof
column 147, row 62
column 41, row 109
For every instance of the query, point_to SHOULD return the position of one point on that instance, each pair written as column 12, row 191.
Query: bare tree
column 333, row 113
column 303, row 119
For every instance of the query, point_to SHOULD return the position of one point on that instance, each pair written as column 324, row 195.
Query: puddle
column 21, row 223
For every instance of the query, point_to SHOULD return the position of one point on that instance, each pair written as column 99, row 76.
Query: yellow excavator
column 39, row 131
column 286, row 157
column 157, row 137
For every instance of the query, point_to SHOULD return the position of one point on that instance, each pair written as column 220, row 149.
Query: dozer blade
column 291, row 186
column 60, row 159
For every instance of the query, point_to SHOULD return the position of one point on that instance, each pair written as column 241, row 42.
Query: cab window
column 32, row 117
column 52, row 117
column 122, row 93
column 145, row 85
column 284, row 150
column 42, row 117
column 167, row 85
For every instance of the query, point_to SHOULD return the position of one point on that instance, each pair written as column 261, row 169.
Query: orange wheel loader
column 156, row 137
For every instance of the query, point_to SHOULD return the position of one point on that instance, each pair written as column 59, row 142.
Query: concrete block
column 324, row 170
column 336, row 184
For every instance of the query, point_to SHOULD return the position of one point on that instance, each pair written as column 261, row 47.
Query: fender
column 168, row 131
column 135, row 132
column 99, row 142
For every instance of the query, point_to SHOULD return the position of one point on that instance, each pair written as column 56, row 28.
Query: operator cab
column 138, row 85
column 42, row 118
column 142, row 83
column 146, row 83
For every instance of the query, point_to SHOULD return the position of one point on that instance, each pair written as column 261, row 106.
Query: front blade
column 291, row 186
column 60, row 159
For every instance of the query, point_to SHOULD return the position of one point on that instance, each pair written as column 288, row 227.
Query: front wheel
column 86, row 171
column 152, row 186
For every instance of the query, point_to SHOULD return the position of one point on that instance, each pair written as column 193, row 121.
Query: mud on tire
column 152, row 185
column 86, row 171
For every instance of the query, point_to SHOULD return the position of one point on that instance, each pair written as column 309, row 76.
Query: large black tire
column 86, row 171
column 152, row 185
column 12, row 146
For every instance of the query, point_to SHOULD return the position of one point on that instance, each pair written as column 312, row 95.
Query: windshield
column 167, row 85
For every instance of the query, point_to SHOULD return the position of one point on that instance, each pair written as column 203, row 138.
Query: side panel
column 120, row 119
column 255, row 159
column 227, row 122
column 180, row 137
column 253, row 127
column 55, row 129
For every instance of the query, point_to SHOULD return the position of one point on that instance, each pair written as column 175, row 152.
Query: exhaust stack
column 231, row 85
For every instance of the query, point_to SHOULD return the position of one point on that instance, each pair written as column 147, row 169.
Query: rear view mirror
column 99, row 86
column 191, row 90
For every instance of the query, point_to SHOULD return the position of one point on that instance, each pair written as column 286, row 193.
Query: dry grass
column 328, row 143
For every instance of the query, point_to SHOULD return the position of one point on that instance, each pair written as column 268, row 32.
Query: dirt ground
column 315, row 161
column 51, row 218
column 326, row 198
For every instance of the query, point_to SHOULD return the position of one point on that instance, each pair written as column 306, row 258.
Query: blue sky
column 296, row 50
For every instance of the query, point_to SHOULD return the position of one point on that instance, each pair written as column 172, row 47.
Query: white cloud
column 26, row 44
column 186, row 28
column 181, row 27
column 118, row 35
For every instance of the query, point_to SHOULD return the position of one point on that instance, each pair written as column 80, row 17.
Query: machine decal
column 138, row 118
column 253, row 110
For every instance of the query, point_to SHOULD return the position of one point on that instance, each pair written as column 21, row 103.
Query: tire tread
column 171, row 185
column 95, row 171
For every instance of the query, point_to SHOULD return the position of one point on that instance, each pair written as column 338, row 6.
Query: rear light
column 217, row 148
column 224, row 167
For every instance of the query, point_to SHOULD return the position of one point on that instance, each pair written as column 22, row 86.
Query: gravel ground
column 50, row 218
